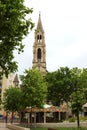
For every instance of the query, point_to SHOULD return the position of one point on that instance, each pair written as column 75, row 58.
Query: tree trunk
column 12, row 117
column 78, row 122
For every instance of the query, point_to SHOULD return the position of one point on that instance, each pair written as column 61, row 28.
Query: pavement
column 3, row 126
column 64, row 124
column 50, row 125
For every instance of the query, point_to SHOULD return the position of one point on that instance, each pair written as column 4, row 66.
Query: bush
column 72, row 119
column 83, row 118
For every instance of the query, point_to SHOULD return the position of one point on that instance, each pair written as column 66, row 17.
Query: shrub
column 72, row 119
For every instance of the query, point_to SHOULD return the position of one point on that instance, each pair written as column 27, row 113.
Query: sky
column 65, row 26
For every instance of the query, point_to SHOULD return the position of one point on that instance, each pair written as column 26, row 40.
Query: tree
column 12, row 100
column 68, row 85
column 59, row 89
column 14, row 27
column 34, row 89
column 78, row 94
column 84, row 82
column 77, row 102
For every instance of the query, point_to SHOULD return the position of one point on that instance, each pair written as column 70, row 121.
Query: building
column 5, row 83
column 48, row 113
column 39, row 48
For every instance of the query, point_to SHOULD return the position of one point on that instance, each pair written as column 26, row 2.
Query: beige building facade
column 5, row 83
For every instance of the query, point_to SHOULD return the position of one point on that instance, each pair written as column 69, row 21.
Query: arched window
column 39, row 54
column 39, row 38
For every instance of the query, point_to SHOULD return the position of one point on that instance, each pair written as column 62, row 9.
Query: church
column 39, row 62
column 39, row 48
column 49, row 112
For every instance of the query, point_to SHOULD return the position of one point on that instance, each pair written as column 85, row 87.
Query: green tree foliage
column 77, row 101
column 68, row 85
column 64, row 82
column 59, row 88
column 34, row 88
column 13, row 28
column 78, row 93
column 75, row 77
column 84, row 82
column 84, row 78
column 12, row 99
column 76, row 104
column 78, row 82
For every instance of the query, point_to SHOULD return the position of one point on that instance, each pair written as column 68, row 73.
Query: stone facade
column 5, row 83
column 39, row 48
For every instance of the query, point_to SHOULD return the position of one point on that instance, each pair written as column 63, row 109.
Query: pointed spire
column 39, row 25
column 16, row 81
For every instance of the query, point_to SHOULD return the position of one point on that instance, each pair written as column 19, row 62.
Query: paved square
column 3, row 126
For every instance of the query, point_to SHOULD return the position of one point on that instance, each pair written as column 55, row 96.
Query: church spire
column 39, row 25
column 39, row 48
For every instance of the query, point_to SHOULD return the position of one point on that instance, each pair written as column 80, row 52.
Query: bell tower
column 39, row 48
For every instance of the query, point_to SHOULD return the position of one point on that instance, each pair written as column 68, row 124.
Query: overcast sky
column 65, row 26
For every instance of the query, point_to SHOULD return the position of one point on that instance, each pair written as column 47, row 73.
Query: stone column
column 28, row 114
column 44, row 117
column 35, row 119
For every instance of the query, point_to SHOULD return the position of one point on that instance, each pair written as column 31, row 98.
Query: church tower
column 39, row 48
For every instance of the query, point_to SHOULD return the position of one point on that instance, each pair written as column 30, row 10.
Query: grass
column 82, row 128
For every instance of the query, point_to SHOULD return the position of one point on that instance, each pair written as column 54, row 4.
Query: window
column 39, row 38
column 39, row 54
